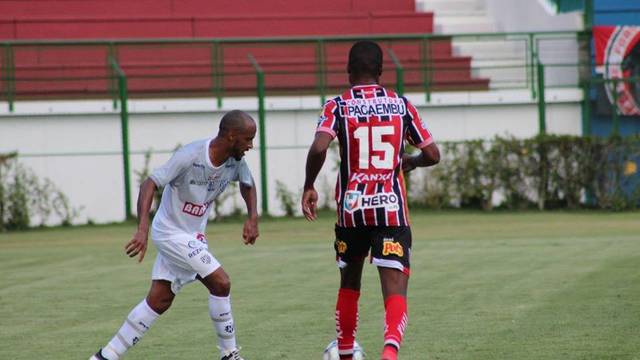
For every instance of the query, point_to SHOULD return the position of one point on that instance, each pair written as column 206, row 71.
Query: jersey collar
column 365, row 86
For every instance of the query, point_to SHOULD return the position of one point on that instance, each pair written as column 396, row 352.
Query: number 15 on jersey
column 370, row 139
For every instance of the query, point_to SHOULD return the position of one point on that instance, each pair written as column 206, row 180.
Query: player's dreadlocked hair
column 365, row 58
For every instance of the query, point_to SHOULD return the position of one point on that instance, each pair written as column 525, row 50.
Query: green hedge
column 545, row 172
column 27, row 200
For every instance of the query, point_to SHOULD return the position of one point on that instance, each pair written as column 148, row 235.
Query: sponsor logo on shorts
column 195, row 209
column 199, row 245
column 195, row 252
column 341, row 246
column 390, row 247
column 199, row 166
column 354, row 200
column 206, row 259
column 201, row 238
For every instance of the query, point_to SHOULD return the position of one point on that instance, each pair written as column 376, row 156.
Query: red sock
column 395, row 321
column 347, row 320
column 389, row 353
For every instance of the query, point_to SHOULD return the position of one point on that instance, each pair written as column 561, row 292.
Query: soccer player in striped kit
column 371, row 124
column 194, row 176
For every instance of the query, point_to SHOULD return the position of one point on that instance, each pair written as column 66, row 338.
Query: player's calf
column 222, row 318
column 389, row 352
column 217, row 282
column 134, row 327
column 396, row 319
column 347, row 321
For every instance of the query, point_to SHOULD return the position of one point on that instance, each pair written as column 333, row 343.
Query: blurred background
column 536, row 104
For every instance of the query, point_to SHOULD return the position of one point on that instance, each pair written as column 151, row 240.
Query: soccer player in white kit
column 195, row 175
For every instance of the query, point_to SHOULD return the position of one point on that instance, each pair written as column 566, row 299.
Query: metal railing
column 262, row 130
column 536, row 67
column 421, row 62
column 399, row 72
column 124, row 128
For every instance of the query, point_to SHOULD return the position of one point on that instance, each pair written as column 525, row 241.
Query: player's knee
column 160, row 303
column 223, row 286
column 350, row 277
column 350, row 283
column 350, row 280
column 394, row 282
column 218, row 283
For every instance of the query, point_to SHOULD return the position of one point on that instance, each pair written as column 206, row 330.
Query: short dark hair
column 234, row 120
column 365, row 58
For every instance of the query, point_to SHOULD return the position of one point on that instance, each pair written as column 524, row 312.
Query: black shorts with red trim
column 390, row 245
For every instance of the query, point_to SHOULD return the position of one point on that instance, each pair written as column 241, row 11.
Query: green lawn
column 484, row 286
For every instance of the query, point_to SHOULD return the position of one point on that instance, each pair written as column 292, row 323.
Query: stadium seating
column 78, row 9
column 191, row 68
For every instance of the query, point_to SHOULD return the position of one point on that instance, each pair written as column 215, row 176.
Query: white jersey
column 191, row 183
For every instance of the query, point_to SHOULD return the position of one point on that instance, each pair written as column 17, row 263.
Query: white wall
column 77, row 143
column 530, row 15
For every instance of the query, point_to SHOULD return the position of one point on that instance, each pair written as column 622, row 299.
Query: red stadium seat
column 189, row 68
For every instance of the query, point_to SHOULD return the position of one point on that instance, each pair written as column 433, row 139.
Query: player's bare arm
column 250, row 231
column 138, row 244
column 315, row 160
column 428, row 156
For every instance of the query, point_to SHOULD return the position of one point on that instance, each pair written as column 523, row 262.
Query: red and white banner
column 617, row 57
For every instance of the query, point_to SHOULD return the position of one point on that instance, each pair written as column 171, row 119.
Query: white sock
column 137, row 323
column 220, row 312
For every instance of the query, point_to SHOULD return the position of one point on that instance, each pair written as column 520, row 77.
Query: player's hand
column 407, row 163
column 310, row 204
column 250, row 231
column 137, row 245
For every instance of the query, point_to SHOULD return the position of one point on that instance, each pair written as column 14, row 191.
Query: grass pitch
column 483, row 286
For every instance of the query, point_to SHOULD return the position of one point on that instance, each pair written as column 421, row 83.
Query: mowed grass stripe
column 484, row 286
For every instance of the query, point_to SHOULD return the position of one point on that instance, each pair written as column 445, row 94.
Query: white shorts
column 181, row 257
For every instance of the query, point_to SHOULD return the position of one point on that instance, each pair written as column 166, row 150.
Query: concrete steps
column 503, row 61
column 457, row 6
column 462, row 24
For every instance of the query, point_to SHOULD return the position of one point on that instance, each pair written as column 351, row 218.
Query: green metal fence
column 262, row 129
column 124, row 127
column 536, row 61
column 24, row 63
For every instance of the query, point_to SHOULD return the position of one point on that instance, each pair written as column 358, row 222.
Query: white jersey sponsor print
column 191, row 183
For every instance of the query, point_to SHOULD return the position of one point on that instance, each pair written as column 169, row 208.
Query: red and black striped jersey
column 371, row 124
